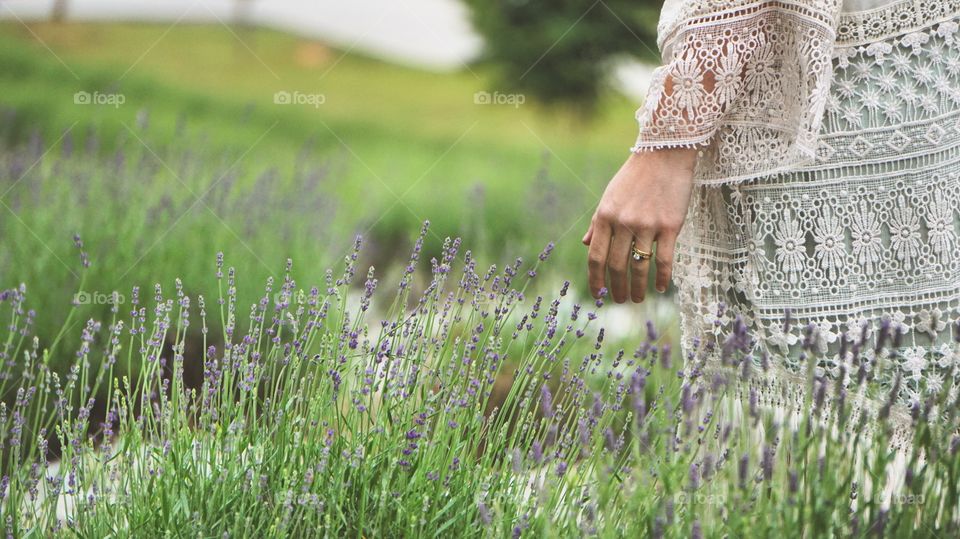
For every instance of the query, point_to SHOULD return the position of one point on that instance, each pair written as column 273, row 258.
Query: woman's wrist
column 681, row 157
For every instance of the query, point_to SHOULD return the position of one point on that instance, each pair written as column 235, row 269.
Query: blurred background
column 165, row 131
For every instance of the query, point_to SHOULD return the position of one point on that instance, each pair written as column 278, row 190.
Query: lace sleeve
column 744, row 81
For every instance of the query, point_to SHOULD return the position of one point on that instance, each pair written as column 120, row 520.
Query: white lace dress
column 828, row 184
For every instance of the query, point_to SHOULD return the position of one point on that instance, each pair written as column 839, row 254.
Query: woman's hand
column 646, row 201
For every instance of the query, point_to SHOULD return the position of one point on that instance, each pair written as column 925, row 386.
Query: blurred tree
column 560, row 51
column 59, row 11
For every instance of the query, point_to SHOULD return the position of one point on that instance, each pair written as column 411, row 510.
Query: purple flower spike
column 546, row 401
column 484, row 511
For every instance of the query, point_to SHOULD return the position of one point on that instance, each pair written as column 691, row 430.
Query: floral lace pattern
column 741, row 75
column 895, row 17
column 862, row 238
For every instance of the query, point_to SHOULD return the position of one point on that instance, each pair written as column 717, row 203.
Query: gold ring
column 639, row 255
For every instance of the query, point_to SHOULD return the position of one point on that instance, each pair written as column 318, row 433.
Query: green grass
column 397, row 131
column 393, row 146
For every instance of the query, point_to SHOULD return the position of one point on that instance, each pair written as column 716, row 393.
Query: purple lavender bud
column 84, row 259
column 597, row 409
column 546, row 401
column 766, row 463
column 561, row 468
column 640, row 409
column 880, row 525
column 819, row 394
column 687, row 400
column 743, row 469
column 696, row 532
column 883, row 333
column 551, row 435
column 484, row 511
column 546, row 252
column 745, row 368
column 665, row 356
column 708, row 463
column 884, row 412
column 536, row 452
column 583, row 429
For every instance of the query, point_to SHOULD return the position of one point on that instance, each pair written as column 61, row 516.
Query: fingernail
column 661, row 289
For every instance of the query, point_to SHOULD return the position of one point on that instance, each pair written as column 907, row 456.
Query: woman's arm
column 741, row 94
column 645, row 201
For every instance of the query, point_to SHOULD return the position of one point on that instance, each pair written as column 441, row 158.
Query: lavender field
column 258, row 285
column 452, row 406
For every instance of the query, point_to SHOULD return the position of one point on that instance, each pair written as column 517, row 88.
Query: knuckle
column 638, row 222
column 606, row 214
column 671, row 226
column 595, row 261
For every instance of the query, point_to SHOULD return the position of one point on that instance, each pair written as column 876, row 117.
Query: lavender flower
column 484, row 511
column 546, row 401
